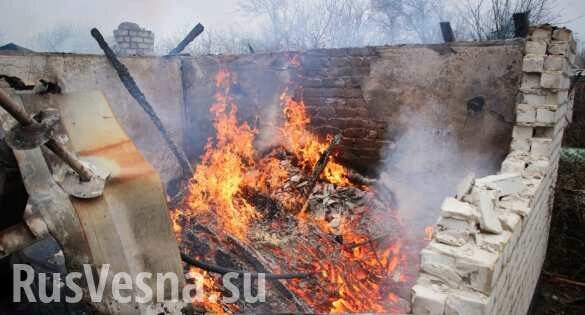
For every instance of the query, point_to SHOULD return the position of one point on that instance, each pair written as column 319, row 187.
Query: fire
column 356, row 274
column 218, row 177
column 211, row 294
column 428, row 233
column 304, row 144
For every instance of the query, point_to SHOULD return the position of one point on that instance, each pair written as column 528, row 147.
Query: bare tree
column 410, row 20
column 66, row 38
column 302, row 24
column 492, row 19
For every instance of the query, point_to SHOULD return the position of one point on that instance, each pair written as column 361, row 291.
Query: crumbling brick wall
column 131, row 39
column 371, row 95
column 494, row 269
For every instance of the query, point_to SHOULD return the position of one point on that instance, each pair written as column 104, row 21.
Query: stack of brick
column 490, row 242
column 131, row 39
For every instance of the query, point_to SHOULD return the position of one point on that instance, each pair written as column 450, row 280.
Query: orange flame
column 351, row 279
column 218, row 176
column 304, row 144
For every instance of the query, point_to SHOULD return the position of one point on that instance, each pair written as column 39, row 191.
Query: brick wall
column 490, row 242
column 131, row 39
column 372, row 96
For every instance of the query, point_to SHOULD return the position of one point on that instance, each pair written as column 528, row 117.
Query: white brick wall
column 495, row 270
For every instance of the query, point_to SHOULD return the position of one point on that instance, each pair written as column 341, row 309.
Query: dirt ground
column 561, row 289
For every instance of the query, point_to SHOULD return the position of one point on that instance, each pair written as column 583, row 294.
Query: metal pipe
column 22, row 117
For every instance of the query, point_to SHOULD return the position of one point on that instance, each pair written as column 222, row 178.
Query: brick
column 533, row 99
column 562, row 34
column 455, row 209
column 488, row 219
column 516, row 204
column 120, row 33
column 478, row 268
column 559, row 48
column 545, row 116
column 554, row 80
column 540, row 34
column 514, row 164
column 525, row 113
column 522, row 132
column 466, row 303
column 533, row 63
column 493, row 243
column 426, row 301
column 535, row 47
column 520, row 145
column 440, row 265
column 510, row 221
column 454, row 232
column 556, row 63
column 504, row 184
column 540, row 148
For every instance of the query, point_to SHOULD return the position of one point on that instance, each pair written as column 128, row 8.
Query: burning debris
column 293, row 209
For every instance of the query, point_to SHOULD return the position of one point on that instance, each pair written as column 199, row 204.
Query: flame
column 218, row 177
column 351, row 279
column 304, row 144
column 212, row 295
column 428, row 233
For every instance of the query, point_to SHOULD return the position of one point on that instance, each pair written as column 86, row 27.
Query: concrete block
column 510, row 221
column 557, row 97
column 533, row 99
column 488, row 219
column 545, row 116
column 556, row 63
column 478, row 269
column 554, row 80
column 493, row 243
column 505, row 184
column 454, row 232
column 440, row 266
column 521, row 132
column 562, row 34
column 520, row 145
column 426, row 301
column 533, row 63
column 455, row 209
column 137, row 39
column 513, row 164
column 540, row 34
column 559, row 48
column 540, row 148
column 539, row 167
column 466, row 303
column 535, row 48
column 516, row 204
column 525, row 113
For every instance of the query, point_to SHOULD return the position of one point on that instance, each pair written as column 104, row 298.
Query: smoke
column 426, row 165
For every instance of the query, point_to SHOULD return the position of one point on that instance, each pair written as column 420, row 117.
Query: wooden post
column 521, row 24
column 447, row 32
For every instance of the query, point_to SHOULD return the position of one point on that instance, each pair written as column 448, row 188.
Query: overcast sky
column 21, row 19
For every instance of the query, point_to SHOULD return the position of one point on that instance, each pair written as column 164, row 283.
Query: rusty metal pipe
column 18, row 113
